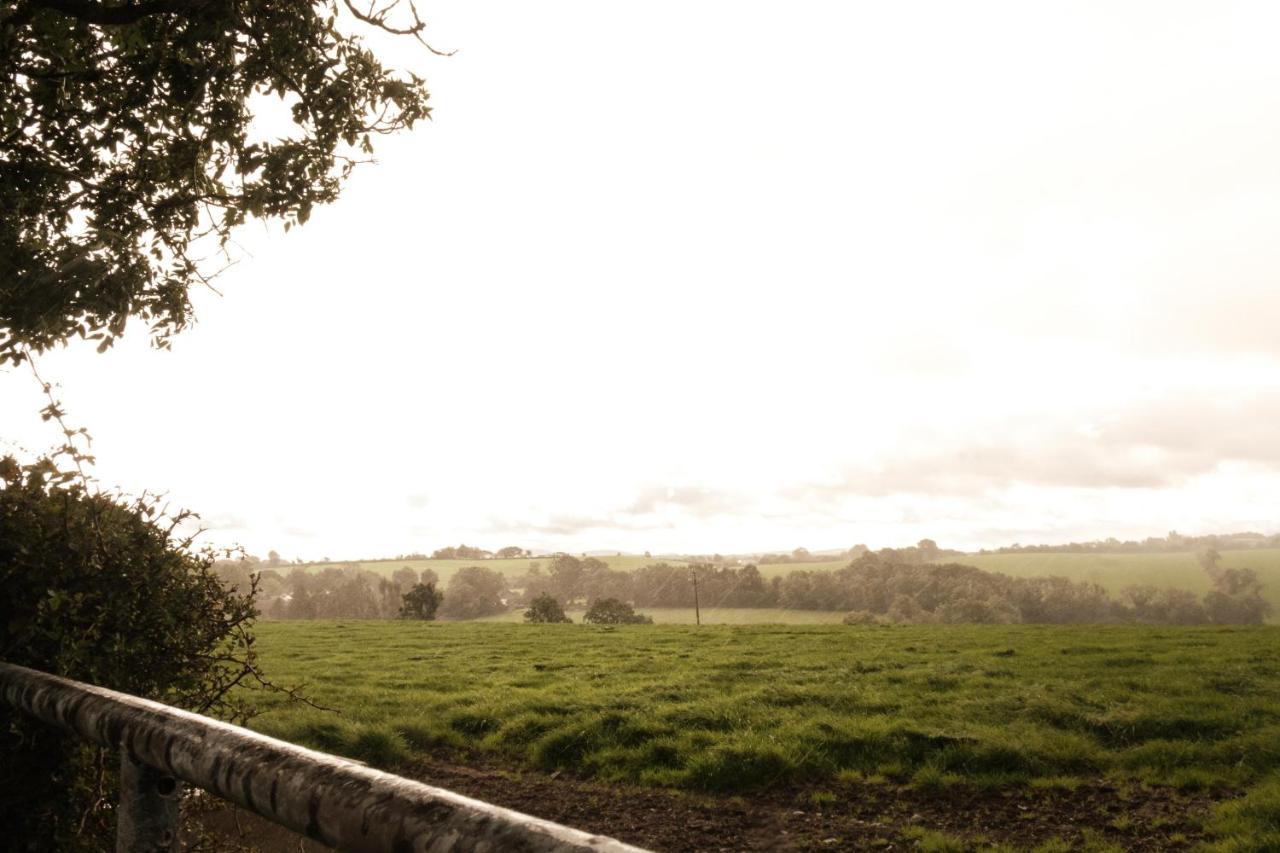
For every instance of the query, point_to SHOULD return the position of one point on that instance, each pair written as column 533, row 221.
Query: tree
column 1208, row 560
column 461, row 552
column 128, row 153
column 353, row 598
column 421, row 602
column 511, row 552
column 405, row 577
column 1236, row 598
column 545, row 609
column 473, row 592
column 611, row 611
column 99, row 589
column 566, row 576
column 128, row 156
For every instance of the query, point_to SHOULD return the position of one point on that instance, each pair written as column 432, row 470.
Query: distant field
column 1113, row 571
column 445, row 568
column 1117, row 571
column 711, row 616
column 765, row 708
column 773, row 570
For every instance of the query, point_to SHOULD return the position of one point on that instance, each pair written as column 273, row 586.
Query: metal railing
column 331, row 800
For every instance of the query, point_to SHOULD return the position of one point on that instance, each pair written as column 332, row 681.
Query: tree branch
column 107, row 15
column 378, row 18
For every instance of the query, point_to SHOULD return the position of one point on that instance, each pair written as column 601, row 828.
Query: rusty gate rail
column 329, row 799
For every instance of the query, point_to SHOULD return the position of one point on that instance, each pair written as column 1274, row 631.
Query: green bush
column 99, row 589
column 545, row 609
column 611, row 611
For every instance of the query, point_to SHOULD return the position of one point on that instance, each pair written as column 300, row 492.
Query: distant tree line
column 924, row 551
column 1174, row 542
column 876, row 587
column 349, row 592
column 873, row 590
column 466, row 552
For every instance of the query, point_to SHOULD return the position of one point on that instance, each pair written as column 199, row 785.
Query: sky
column 695, row 277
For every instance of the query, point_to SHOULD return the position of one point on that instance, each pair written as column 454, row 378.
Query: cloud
column 1149, row 444
column 654, row 507
column 696, row 501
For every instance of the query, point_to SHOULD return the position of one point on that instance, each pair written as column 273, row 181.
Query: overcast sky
column 707, row 276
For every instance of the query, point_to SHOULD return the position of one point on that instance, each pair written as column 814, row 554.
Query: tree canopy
column 544, row 609
column 132, row 144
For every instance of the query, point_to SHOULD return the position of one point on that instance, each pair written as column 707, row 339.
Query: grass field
column 775, row 570
column 741, row 709
column 710, row 616
column 1117, row 571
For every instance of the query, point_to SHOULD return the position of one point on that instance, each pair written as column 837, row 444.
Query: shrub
column 99, row 589
column 545, row 609
column 421, row 602
column 611, row 611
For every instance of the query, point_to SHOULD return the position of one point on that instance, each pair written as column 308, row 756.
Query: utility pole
column 697, row 612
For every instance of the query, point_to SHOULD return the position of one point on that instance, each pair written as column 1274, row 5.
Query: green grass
column 1116, row 571
column 1252, row 824
column 710, row 616
column 738, row 708
column 774, row 570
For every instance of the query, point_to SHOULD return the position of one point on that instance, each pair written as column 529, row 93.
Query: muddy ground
column 835, row 816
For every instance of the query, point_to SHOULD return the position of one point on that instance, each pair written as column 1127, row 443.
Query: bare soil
column 836, row 816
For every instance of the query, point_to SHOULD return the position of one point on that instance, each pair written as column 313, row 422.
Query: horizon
column 834, row 553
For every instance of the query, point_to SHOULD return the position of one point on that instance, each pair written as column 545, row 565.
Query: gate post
column 148, row 818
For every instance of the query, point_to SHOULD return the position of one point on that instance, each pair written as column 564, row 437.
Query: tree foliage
column 132, row 143
column 546, row 610
column 101, row 589
column 611, row 611
column 421, row 602
column 872, row 589
column 473, row 592
column 460, row 552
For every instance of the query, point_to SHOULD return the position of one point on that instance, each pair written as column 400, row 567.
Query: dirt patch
column 838, row 816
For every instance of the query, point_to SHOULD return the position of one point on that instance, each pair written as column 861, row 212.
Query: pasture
column 777, row 570
column 1114, row 572
column 818, row 711
column 710, row 616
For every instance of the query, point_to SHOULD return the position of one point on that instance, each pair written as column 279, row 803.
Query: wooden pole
column 697, row 611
